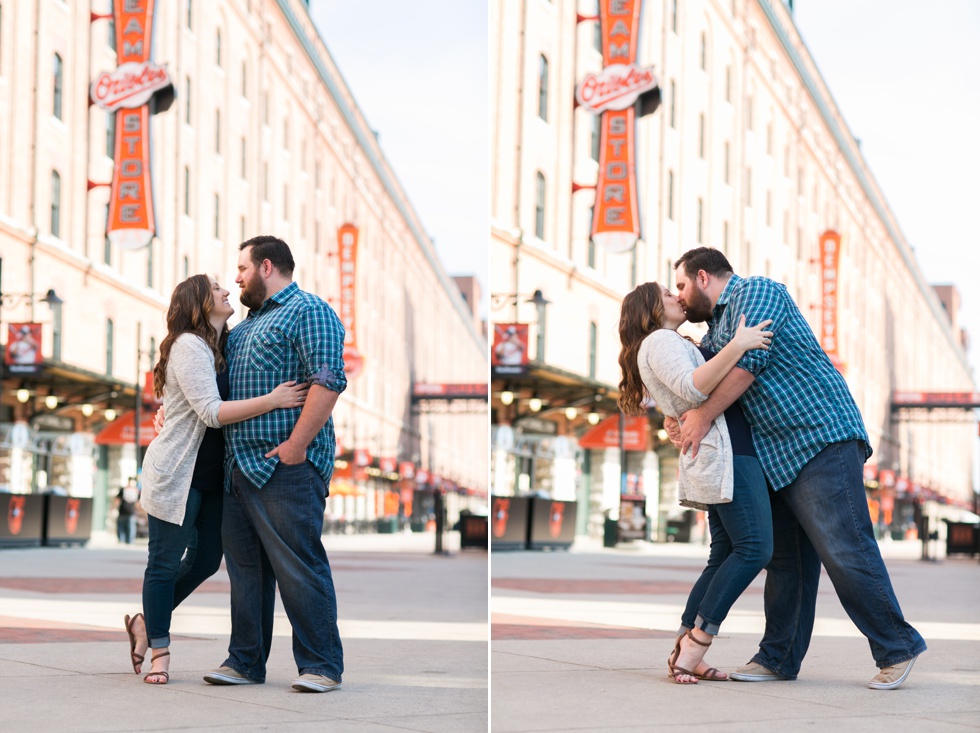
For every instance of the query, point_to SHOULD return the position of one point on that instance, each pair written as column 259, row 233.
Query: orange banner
column 606, row 434
column 613, row 93
column 829, row 277
column 126, row 91
column 347, row 242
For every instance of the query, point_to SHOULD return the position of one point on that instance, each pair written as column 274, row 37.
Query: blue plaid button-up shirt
column 799, row 403
column 293, row 335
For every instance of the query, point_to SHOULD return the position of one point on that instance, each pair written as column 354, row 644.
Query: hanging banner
column 23, row 353
column 612, row 94
column 829, row 278
column 347, row 242
column 127, row 91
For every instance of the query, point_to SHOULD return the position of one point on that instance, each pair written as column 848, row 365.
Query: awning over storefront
column 122, row 430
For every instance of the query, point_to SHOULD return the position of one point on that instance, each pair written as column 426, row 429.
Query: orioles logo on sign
column 72, row 510
column 15, row 514
column 501, row 513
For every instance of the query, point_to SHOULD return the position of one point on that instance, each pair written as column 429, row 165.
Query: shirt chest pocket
column 268, row 352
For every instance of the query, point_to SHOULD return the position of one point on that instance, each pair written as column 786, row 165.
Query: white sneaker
column 314, row 683
column 891, row 677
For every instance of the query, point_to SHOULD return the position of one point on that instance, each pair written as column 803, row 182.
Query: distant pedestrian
column 183, row 467
column 126, row 520
column 812, row 444
column 726, row 479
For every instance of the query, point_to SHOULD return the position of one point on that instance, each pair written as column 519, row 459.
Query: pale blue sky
column 906, row 76
column 419, row 73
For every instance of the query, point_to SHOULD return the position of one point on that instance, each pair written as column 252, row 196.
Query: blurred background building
column 742, row 148
column 257, row 134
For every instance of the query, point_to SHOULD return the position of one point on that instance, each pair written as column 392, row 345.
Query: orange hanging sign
column 127, row 91
column 613, row 93
column 347, row 242
column 829, row 279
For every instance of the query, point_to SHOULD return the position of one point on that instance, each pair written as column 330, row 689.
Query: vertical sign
column 829, row 279
column 23, row 354
column 612, row 94
column 127, row 92
column 347, row 242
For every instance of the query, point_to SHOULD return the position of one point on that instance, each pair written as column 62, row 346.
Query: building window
column 107, row 245
column 748, row 113
column 187, row 191
column 217, row 48
column 217, row 131
column 670, row 195
column 153, row 350
column 591, row 251
column 768, row 208
column 110, row 135
column 769, row 138
column 285, row 202
column 673, row 105
column 245, row 79
column 241, row 229
column 59, row 73
column 187, row 267
column 701, row 136
column 55, row 204
column 108, row 346
column 285, row 133
column 190, row 15
column 217, row 216
column 786, row 161
column 786, row 226
column 543, row 88
column 149, row 265
column 728, row 83
column 724, row 238
column 539, row 206
column 110, row 34
column 316, row 176
column 265, row 108
column 673, row 15
column 596, row 136
column 187, row 100
column 704, row 51
column 728, row 162
column 700, row 221
column 265, row 182
column 593, row 347
column 748, row 186
column 243, row 156
column 597, row 36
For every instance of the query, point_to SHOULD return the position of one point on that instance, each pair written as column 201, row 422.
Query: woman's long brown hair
column 642, row 313
column 190, row 311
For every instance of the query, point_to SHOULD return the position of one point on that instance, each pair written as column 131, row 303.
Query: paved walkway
column 414, row 627
column 580, row 641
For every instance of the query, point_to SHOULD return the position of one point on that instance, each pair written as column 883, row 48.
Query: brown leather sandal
column 676, row 671
column 135, row 659
column 165, row 674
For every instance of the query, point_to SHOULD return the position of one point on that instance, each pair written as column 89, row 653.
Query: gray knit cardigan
column 667, row 362
column 190, row 403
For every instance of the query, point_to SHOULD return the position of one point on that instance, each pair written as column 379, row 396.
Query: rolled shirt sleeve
column 319, row 343
column 758, row 299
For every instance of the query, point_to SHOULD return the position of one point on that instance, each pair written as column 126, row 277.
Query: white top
column 667, row 362
column 191, row 403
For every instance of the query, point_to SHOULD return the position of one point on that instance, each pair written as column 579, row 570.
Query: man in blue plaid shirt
column 811, row 441
column 277, row 470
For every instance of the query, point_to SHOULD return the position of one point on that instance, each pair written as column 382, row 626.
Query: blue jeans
column 822, row 516
column 741, row 545
column 271, row 535
column 180, row 559
column 126, row 528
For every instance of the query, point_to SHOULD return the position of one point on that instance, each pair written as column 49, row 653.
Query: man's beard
column 254, row 293
column 697, row 305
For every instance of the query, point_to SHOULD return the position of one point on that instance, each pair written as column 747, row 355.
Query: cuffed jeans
column 741, row 545
column 822, row 516
column 274, row 534
column 171, row 575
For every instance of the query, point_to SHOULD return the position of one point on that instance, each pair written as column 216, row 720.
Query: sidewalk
column 414, row 627
column 580, row 641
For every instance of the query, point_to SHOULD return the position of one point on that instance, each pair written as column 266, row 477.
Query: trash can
column 962, row 538
column 474, row 531
column 387, row 525
column 610, row 532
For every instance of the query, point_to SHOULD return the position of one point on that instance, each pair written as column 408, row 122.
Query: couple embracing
column 772, row 446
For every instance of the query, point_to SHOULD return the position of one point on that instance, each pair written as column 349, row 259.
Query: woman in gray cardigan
column 182, row 468
column 725, row 478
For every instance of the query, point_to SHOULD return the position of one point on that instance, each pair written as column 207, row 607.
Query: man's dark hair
column 710, row 260
column 267, row 247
